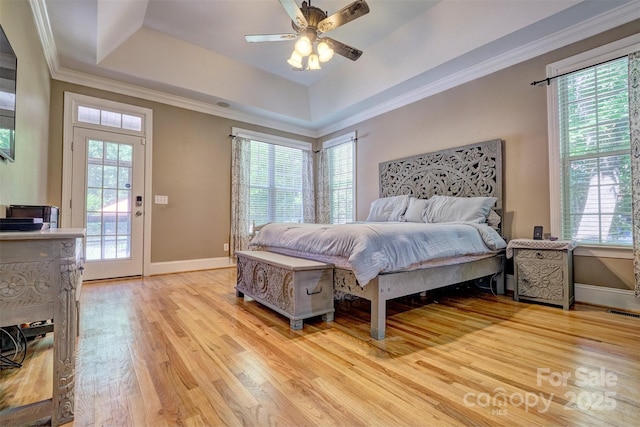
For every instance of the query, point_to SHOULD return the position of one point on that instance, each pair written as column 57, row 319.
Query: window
column 271, row 181
column 97, row 116
column 590, row 149
column 595, row 154
column 276, row 180
column 340, row 154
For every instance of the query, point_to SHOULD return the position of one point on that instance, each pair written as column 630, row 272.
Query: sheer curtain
column 634, row 121
column 308, row 193
column 323, row 207
column 241, row 191
column 240, row 166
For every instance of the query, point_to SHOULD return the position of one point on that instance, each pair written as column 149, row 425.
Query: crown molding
column 603, row 22
column 110, row 85
column 41, row 19
column 591, row 27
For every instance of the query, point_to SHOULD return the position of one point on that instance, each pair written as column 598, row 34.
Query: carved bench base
column 294, row 287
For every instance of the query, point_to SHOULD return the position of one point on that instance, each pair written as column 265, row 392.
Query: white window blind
column 340, row 159
column 275, row 183
column 593, row 120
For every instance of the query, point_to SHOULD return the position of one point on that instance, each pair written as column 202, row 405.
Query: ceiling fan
column 310, row 23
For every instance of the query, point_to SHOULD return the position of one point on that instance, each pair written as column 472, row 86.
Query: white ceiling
column 192, row 53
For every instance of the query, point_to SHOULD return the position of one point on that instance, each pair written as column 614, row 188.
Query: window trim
column 71, row 102
column 343, row 139
column 271, row 139
column 586, row 59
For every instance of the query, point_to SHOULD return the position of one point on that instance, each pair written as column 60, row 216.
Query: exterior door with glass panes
column 107, row 191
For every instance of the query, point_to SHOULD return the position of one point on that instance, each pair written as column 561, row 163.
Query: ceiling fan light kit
column 314, row 62
column 296, row 60
column 310, row 23
column 303, row 46
column 325, row 52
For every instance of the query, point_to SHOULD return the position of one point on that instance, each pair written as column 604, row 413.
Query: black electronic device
column 21, row 224
column 537, row 232
column 49, row 214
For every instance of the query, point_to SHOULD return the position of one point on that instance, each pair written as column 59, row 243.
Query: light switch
column 162, row 200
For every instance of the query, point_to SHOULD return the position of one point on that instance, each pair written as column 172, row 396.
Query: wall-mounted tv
column 8, row 72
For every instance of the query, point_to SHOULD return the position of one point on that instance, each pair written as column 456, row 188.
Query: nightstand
column 543, row 271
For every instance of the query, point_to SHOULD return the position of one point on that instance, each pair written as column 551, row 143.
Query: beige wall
column 191, row 151
column 501, row 105
column 24, row 181
column 191, row 164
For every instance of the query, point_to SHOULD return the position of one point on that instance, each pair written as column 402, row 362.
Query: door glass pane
column 110, row 177
column 109, row 200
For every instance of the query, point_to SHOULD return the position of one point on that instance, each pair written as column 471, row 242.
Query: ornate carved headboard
column 471, row 170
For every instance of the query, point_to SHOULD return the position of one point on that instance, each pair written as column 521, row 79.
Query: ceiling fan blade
column 342, row 49
column 294, row 13
column 344, row 15
column 257, row 38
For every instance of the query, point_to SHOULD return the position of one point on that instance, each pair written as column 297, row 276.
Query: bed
column 432, row 184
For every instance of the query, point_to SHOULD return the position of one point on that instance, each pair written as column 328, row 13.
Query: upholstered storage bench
column 294, row 287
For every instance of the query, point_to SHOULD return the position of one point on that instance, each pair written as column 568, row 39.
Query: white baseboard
column 623, row 299
column 190, row 265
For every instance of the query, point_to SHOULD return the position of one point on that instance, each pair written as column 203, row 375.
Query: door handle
column 138, row 213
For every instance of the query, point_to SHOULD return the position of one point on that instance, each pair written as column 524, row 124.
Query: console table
column 40, row 278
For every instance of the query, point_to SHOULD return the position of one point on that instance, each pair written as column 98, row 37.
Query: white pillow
column 388, row 209
column 455, row 209
column 416, row 210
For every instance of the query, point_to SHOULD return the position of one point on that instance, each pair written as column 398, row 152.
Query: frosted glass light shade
column 304, row 46
column 314, row 62
column 325, row 53
column 296, row 60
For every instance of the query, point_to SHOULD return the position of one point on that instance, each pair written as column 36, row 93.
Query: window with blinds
column 275, row 183
column 593, row 120
column 340, row 161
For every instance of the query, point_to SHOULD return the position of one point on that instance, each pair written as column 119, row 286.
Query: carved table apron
column 39, row 276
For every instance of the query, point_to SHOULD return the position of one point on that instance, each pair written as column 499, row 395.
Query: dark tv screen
column 8, row 72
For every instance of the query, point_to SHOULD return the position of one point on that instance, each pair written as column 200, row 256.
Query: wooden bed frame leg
column 378, row 317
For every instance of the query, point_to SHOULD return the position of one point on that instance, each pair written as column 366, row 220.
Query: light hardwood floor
column 181, row 349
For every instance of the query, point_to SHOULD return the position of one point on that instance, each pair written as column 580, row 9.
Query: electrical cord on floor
column 13, row 347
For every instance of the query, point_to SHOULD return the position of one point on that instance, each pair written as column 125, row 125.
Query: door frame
column 71, row 102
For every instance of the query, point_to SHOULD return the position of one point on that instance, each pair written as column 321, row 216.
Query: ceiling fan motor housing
column 313, row 15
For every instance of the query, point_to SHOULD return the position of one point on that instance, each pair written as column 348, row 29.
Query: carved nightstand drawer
column 544, row 275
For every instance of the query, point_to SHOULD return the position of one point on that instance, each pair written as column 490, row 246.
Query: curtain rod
column 548, row 79
column 352, row 139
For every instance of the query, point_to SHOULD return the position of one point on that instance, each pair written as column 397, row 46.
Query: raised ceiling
column 192, row 53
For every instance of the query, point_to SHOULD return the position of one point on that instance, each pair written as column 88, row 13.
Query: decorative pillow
column 493, row 220
column 388, row 209
column 416, row 210
column 455, row 209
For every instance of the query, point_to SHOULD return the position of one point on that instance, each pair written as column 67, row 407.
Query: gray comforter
column 372, row 248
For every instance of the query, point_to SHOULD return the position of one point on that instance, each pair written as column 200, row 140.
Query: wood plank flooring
column 181, row 349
